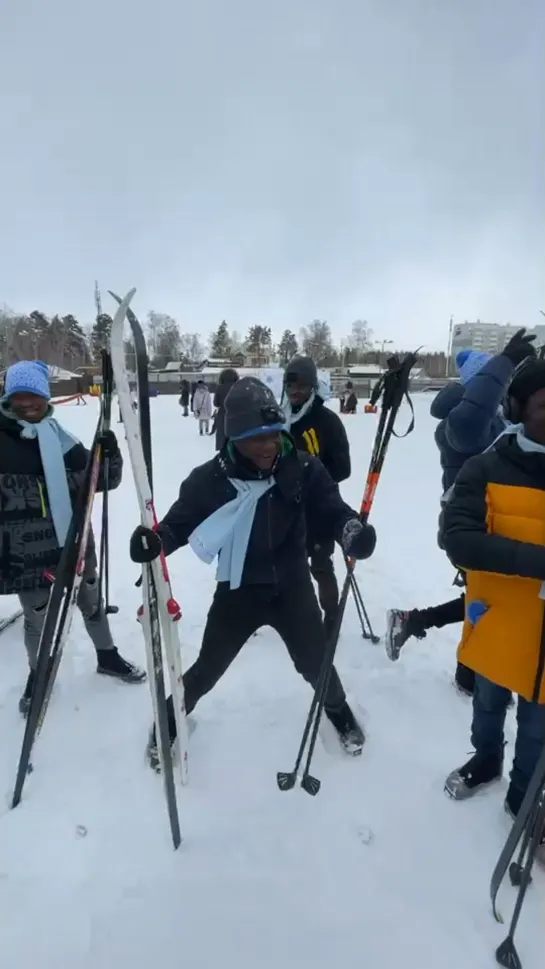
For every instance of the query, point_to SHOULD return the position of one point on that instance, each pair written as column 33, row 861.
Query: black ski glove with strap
column 358, row 540
column 520, row 347
column 145, row 545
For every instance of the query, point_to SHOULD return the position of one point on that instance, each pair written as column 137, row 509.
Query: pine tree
column 100, row 334
column 220, row 342
column 287, row 348
column 258, row 342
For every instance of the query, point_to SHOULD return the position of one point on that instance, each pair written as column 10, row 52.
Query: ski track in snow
column 379, row 869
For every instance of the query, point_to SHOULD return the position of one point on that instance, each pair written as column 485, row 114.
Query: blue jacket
column 469, row 416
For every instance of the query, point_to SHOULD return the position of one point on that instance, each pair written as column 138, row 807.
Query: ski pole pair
column 392, row 388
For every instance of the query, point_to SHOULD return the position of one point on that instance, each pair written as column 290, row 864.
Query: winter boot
column 401, row 626
column 473, row 776
column 350, row 733
column 152, row 752
column 111, row 663
column 24, row 702
column 464, row 680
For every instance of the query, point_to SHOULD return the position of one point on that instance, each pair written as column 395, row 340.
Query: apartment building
column 490, row 337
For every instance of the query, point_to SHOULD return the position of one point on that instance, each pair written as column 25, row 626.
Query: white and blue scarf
column 226, row 533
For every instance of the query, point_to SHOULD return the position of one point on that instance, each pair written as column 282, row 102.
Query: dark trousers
column 445, row 614
column 323, row 573
column 235, row 615
column 490, row 703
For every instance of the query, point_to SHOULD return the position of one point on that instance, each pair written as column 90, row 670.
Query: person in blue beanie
column 41, row 468
column 250, row 506
column 470, row 415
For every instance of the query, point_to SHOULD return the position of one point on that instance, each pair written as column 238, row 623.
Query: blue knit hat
column 469, row 362
column 27, row 376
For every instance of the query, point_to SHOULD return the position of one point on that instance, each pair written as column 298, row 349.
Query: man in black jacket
column 41, row 469
column 319, row 431
column 248, row 505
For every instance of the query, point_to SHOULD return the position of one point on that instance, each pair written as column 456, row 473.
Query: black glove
column 358, row 540
column 145, row 545
column 519, row 347
column 109, row 445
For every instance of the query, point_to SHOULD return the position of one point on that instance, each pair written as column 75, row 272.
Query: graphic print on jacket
column 28, row 543
column 494, row 529
column 277, row 547
column 322, row 433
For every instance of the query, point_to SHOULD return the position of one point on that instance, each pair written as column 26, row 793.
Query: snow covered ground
column 380, row 870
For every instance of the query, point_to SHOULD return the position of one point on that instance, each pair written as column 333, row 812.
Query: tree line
column 64, row 342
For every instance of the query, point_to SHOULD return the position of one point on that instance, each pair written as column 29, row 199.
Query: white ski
column 168, row 615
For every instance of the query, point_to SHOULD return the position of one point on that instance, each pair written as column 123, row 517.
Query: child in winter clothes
column 202, row 406
column 494, row 529
column 41, row 468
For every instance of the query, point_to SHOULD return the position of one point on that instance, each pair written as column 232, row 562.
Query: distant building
column 489, row 337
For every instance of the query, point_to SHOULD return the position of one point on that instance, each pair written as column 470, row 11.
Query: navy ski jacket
column 469, row 416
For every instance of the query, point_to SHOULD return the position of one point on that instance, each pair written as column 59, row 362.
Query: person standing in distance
column 319, row 431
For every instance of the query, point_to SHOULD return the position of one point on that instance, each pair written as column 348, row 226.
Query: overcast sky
column 274, row 162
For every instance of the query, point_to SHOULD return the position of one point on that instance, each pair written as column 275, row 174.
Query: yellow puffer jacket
column 494, row 529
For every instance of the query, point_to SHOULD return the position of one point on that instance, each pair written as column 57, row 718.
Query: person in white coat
column 202, row 406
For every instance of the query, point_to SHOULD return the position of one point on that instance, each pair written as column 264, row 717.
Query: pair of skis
column 66, row 585
column 161, row 611
column 392, row 389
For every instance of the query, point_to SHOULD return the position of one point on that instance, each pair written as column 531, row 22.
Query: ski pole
column 393, row 387
column 104, row 557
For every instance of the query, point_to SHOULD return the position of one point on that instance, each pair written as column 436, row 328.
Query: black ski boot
column 464, row 680
column 111, row 663
column 350, row 733
column 24, row 702
column 401, row 626
column 479, row 772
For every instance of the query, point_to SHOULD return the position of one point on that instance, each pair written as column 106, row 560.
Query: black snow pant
column 323, row 573
column 234, row 616
column 444, row 615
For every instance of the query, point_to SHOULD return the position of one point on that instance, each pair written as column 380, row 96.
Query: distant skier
column 202, row 406
column 470, row 419
column 248, row 506
column 226, row 379
column 319, row 431
column 184, row 397
column 41, row 467
column 494, row 529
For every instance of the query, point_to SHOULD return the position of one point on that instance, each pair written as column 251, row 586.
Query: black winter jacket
column 28, row 543
column 466, row 535
column 321, row 432
column 276, row 552
column 219, row 420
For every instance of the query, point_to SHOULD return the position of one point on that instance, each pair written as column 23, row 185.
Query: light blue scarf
column 226, row 532
column 54, row 442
